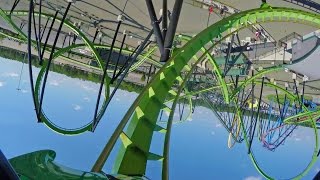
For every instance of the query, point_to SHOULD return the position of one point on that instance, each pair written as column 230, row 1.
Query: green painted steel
column 92, row 47
column 262, row 172
column 166, row 149
column 132, row 158
column 313, row 114
column 11, row 37
column 87, row 127
column 4, row 15
column 7, row 18
column 67, row 23
column 216, row 70
column 140, row 59
column 41, row 165
column 178, row 78
column 311, row 119
column 44, row 119
column 257, row 75
column 51, row 125
column 134, row 152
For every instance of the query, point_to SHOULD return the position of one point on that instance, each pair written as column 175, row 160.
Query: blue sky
column 198, row 147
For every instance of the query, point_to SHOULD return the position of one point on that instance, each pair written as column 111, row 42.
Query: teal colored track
column 41, row 165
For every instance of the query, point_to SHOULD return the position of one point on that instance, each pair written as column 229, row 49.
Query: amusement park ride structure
column 204, row 68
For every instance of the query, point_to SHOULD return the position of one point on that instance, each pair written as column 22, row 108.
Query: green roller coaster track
column 60, row 53
column 138, row 136
column 310, row 119
column 103, row 108
column 142, row 116
column 93, row 47
column 141, row 59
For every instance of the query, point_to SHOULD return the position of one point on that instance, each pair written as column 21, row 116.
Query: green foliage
column 143, row 77
column 2, row 37
column 67, row 70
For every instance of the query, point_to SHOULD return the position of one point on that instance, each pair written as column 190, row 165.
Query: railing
column 6, row 170
column 311, row 5
column 231, row 10
column 269, row 53
column 287, row 38
column 282, row 41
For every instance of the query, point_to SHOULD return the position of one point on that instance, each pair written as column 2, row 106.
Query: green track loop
column 143, row 122
column 142, row 115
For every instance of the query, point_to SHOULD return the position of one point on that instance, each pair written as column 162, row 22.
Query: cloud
column 117, row 99
column 1, row 84
column 76, row 107
column 24, row 91
column 12, row 74
column 213, row 133
column 297, row 139
column 252, row 178
column 54, row 83
column 88, row 88
column 218, row 125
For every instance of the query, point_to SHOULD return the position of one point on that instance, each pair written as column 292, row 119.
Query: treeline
column 67, row 70
column 8, row 32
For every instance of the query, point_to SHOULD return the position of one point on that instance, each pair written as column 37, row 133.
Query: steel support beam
column 139, row 50
column 278, row 101
column 97, row 167
column 297, row 93
column 39, row 20
column 171, row 30
column 164, row 18
column 252, row 112
column 51, row 56
column 16, row 2
column 95, row 35
column 149, row 73
column 30, row 56
column 228, row 54
column 302, row 95
column 257, row 115
column 119, row 55
column 6, row 170
column 125, row 64
column 64, row 40
column 155, row 25
column 105, row 73
column 125, row 68
column 37, row 36
column 48, row 35
column 44, row 29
